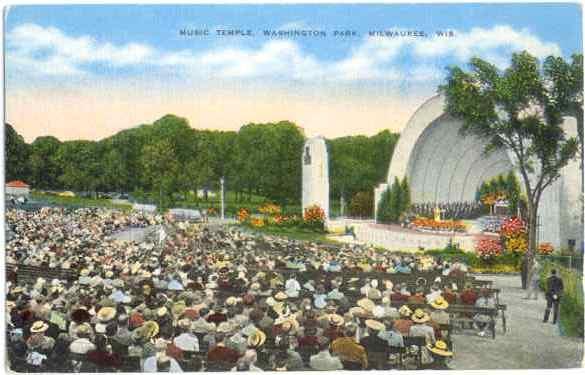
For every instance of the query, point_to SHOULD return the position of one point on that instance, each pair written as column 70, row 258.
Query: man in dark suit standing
column 554, row 291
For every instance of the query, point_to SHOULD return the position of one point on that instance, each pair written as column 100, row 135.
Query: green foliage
column 394, row 202
column 17, row 153
column 571, row 309
column 295, row 233
column 508, row 261
column 520, row 109
column 361, row 204
column 507, row 184
column 359, row 163
column 77, row 202
column 163, row 161
column 160, row 169
column 268, row 161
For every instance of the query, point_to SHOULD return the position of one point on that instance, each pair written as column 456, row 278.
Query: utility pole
column 221, row 181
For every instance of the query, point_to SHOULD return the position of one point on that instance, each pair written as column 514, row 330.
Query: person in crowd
column 220, row 293
column 352, row 355
column 324, row 361
column 482, row 321
column 554, row 292
column 374, row 345
column 533, row 283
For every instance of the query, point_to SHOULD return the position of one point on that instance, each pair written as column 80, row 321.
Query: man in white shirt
column 292, row 287
column 186, row 341
column 324, row 361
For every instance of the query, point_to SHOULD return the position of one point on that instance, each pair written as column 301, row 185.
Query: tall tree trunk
column 532, row 236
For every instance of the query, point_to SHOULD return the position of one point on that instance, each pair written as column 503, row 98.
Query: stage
column 398, row 238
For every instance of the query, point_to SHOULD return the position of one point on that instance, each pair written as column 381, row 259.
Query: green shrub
column 507, row 262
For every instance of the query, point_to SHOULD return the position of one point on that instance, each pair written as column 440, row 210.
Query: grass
column 571, row 309
column 294, row 233
column 75, row 202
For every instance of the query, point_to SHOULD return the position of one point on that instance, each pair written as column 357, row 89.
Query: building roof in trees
column 17, row 184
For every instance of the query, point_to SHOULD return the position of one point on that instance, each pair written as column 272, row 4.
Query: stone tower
column 316, row 174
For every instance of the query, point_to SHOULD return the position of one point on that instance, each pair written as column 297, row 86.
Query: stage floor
column 396, row 237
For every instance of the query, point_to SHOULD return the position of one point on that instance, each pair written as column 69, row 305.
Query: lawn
column 293, row 233
column 75, row 202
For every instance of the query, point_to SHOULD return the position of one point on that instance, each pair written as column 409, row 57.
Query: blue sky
column 94, row 53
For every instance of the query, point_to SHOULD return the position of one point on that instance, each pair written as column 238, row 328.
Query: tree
column 383, row 211
column 393, row 202
column 405, row 193
column 564, row 83
column 17, row 153
column 517, row 110
column 43, row 165
column 359, row 163
column 160, row 170
column 115, row 174
column 80, row 164
column 361, row 204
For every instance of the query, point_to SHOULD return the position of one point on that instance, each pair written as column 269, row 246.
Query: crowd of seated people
column 215, row 300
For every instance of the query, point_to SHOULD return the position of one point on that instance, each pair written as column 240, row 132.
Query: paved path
column 135, row 234
column 529, row 343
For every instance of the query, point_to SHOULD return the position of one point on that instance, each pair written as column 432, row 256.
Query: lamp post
column 221, row 181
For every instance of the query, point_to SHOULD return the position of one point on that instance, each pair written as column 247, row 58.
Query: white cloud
column 499, row 40
column 49, row 51
column 54, row 53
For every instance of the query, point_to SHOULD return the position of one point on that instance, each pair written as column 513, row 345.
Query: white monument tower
column 316, row 174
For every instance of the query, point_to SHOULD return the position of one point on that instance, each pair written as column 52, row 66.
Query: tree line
column 169, row 158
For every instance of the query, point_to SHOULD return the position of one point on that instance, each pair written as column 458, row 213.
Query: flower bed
column 488, row 249
column 514, row 235
column 426, row 224
column 270, row 215
column 545, row 248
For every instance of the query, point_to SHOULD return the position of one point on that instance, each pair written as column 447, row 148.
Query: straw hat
column 106, row 314
column 335, row 319
column 100, row 328
column 404, row 311
column 287, row 323
column 256, row 339
column 375, row 325
column 358, row 312
column 39, row 326
column 224, row 327
column 84, row 272
column 83, row 329
column 184, row 323
column 366, row 304
column 420, row 316
column 231, row 301
column 440, row 348
column 178, row 308
column 280, row 296
column 149, row 329
column 379, row 311
column 439, row 303
column 17, row 290
column 162, row 311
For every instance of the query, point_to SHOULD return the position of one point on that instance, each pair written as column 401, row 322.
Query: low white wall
column 391, row 240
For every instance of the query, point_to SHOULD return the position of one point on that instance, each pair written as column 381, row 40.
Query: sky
column 86, row 72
